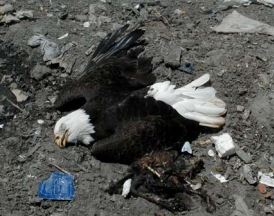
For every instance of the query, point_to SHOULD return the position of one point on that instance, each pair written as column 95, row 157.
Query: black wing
column 111, row 67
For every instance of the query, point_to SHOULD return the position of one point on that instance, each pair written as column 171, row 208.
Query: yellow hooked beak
column 61, row 139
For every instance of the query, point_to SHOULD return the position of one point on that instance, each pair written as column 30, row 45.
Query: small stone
column 86, row 24
column 7, row 8
column 246, row 114
column 178, row 12
column 81, row 18
column 172, row 59
column 64, row 75
column 211, row 153
column 243, row 155
column 13, row 85
column 240, row 108
column 40, row 121
column 20, row 95
column 8, row 19
column 248, row 175
column 262, row 188
column 23, row 14
column 39, row 72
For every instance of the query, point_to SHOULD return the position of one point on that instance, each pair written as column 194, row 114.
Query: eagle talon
column 61, row 141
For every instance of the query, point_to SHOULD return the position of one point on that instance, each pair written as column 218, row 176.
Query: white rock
column 211, row 153
column 186, row 148
column 126, row 187
column 266, row 178
column 224, row 145
column 86, row 24
column 20, row 95
column 40, row 121
column 220, row 177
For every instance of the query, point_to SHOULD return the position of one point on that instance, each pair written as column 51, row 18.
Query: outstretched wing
column 111, row 66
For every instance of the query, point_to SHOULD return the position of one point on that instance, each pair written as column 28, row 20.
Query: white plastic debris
column 40, row 121
column 266, row 178
column 224, row 145
column 126, row 187
column 63, row 36
column 20, row 95
column 186, row 148
column 237, row 23
column 211, row 153
column 220, row 177
column 86, row 24
column 1, row 126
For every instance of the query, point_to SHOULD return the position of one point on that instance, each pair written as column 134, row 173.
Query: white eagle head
column 72, row 128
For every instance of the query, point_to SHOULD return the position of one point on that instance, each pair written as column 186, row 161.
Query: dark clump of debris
column 164, row 178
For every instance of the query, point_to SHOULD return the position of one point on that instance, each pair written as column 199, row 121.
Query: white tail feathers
column 192, row 101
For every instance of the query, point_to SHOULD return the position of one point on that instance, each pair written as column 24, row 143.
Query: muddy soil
column 242, row 70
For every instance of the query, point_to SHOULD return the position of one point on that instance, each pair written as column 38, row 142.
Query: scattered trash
column 211, row 153
column 262, row 188
column 241, row 207
column 187, row 68
column 186, row 148
column 220, row 177
column 248, row 175
column 90, row 50
column 126, row 188
column 227, row 4
column 49, row 49
column 59, row 186
column 1, row 126
column 63, row 36
column 224, row 145
column 237, row 23
column 196, row 186
column 266, row 178
column 20, row 95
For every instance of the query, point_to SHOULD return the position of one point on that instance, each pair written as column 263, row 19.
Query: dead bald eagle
column 116, row 106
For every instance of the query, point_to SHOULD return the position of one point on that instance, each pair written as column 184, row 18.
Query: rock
column 246, row 114
column 215, row 57
column 178, row 12
column 240, row 108
column 243, row 155
column 7, row 8
column 241, row 207
column 2, row 2
column 39, row 72
column 211, row 153
column 81, row 18
column 224, row 145
column 8, row 19
column 248, row 175
column 172, row 59
column 20, row 95
column 23, row 14
column 86, row 24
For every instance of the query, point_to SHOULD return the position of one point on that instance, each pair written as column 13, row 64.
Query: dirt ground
column 242, row 70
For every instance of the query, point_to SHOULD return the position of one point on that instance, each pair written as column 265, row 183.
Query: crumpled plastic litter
column 49, row 49
column 126, row 187
column 186, row 148
column 266, row 178
column 237, row 23
column 59, row 186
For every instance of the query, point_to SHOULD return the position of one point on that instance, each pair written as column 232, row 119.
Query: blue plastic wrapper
column 59, row 186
